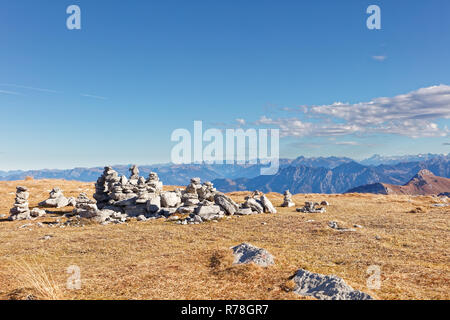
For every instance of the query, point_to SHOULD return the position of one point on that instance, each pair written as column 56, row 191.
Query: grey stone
column 208, row 212
column 254, row 205
column 244, row 211
column 20, row 210
column 36, row 212
column 247, row 253
column 325, row 287
column 55, row 200
column 288, row 203
column 268, row 206
column 170, row 199
column 311, row 207
column 153, row 205
column 137, row 210
column 334, row 225
column 228, row 205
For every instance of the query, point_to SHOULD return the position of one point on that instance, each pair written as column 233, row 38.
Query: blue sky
column 114, row 91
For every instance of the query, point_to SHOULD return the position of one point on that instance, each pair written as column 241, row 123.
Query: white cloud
column 379, row 58
column 412, row 114
column 26, row 87
column 10, row 92
column 241, row 121
column 93, row 96
column 348, row 143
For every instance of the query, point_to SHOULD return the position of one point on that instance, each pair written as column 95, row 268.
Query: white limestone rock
column 324, row 287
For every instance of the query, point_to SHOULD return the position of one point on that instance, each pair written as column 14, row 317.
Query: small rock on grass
column 246, row 253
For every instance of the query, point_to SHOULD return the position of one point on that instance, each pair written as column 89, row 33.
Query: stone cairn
column 20, row 210
column 313, row 207
column 288, row 203
column 118, row 199
column 256, row 203
column 57, row 200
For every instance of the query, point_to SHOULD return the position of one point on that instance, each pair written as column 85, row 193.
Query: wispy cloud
column 93, row 96
column 10, row 92
column 241, row 122
column 379, row 58
column 412, row 114
column 27, row 87
column 347, row 143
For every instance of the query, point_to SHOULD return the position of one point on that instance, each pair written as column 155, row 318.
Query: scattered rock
column 267, row 205
column 208, row 212
column 244, row 211
column 247, row 253
column 325, row 287
column 335, row 225
column 170, row 199
column 228, row 205
column 56, row 200
column 311, row 207
column 36, row 212
column 253, row 204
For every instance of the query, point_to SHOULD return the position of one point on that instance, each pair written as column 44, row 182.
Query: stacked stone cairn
column 313, row 207
column 20, row 210
column 255, row 204
column 57, row 200
column 288, row 203
column 118, row 199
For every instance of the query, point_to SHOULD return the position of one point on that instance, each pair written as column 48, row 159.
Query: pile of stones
column 255, row 204
column 20, row 210
column 288, row 203
column 57, row 200
column 313, row 207
column 118, row 199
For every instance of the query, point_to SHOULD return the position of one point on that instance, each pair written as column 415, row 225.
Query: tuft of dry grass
column 33, row 276
column 161, row 260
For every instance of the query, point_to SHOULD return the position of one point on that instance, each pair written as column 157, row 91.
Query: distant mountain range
column 376, row 159
column 423, row 183
column 303, row 179
column 300, row 175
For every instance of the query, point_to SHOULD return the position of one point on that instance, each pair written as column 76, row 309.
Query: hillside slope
column 423, row 183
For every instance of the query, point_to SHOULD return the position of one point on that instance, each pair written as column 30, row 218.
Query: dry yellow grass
column 161, row 260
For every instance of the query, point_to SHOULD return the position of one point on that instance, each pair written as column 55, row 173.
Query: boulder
column 268, row 206
column 153, row 205
column 36, row 212
column 247, row 253
column 208, row 212
column 254, row 205
column 170, row 199
column 55, row 200
column 228, row 205
column 244, row 211
column 136, row 210
column 324, row 287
